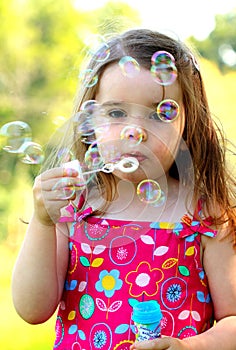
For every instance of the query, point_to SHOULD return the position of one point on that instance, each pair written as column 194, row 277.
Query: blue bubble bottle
column 147, row 317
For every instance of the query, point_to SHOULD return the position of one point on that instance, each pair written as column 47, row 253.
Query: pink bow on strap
column 75, row 216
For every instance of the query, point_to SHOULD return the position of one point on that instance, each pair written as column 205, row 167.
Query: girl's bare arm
column 38, row 276
column 39, row 272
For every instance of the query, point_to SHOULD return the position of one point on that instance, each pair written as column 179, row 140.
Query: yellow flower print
column 109, row 282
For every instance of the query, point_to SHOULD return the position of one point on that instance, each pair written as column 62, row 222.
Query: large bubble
column 31, row 153
column 14, row 135
column 149, row 191
column 163, row 68
column 168, row 110
column 64, row 189
column 132, row 133
column 129, row 66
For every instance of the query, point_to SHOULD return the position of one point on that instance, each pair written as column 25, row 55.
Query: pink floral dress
column 114, row 264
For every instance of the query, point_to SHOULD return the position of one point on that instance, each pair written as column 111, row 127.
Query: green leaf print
column 84, row 261
column 184, row 270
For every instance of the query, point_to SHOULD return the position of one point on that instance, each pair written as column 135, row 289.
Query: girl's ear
column 183, row 146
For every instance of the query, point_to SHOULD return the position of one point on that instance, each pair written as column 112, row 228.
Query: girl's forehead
column 141, row 86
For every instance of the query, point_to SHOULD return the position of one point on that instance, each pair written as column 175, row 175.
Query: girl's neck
column 128, row 206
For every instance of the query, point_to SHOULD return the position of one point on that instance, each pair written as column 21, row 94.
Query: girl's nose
column 135, row 134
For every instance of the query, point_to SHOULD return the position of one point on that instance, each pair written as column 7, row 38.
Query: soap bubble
column 14, row 135
column 132, row 133
column 110, row 152
column 31, row 153
column 163, row 68
column 102, row 53
column 129, row 66
column 164, row 74
column 92, row 157
column 161, row 201
column 84, row 121
column 85, row 125
column 88, row 77
column 89, row 106
column 98, row 47
column 168, row 110
column 162, row 57
column 64, row 189
column 102, row 130
column 149, row 191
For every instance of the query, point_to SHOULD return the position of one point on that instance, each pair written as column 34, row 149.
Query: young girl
column 148, row 214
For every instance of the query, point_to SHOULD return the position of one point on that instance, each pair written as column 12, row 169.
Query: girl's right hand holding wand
column 49, row 193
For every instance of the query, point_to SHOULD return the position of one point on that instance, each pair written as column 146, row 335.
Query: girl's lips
column 139, row 156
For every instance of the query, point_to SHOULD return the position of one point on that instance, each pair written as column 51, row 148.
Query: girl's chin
column 135, row 177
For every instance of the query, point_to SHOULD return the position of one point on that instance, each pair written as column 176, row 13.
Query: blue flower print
column 173, row 293
column 100, row 339
column 109, row 282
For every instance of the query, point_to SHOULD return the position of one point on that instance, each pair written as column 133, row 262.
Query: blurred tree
column 42, row 46
column 220, row 45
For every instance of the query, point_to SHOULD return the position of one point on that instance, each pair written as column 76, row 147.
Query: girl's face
column 129, row 127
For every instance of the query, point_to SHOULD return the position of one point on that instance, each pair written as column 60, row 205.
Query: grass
column 14, row 332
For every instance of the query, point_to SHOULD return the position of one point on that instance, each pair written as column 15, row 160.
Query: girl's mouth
column 139, row 156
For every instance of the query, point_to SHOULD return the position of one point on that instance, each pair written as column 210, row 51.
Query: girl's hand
column 49, row 193
column 165, row 343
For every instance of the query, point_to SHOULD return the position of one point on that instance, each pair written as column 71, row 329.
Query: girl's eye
column 117, row 113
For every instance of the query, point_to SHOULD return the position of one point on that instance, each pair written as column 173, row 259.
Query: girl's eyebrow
column 112, row 103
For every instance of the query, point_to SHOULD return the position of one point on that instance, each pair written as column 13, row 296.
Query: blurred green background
column 42, row 49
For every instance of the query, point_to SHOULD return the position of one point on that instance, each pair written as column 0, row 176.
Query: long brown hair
column 204, row 139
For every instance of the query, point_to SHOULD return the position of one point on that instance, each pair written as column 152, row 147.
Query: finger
column 58, row 183
column 57, row 173
column 156, row 344
column 59, row 192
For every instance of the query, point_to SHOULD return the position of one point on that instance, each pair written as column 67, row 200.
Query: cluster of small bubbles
column 163, row 68
column 83, row 121
column 88, row 77
column 149, row 191
column 132, row 133
column 168, row 110
column 98, row 48
column 84, row 126
column 16, row 137
column 129, row 66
